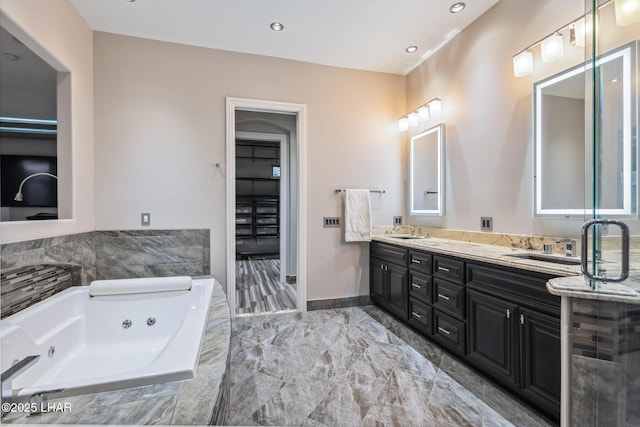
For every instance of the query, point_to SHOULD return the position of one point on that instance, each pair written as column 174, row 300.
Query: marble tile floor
column 356, row 366
column 259, row 289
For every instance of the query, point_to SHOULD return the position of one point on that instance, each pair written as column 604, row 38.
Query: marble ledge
column 578, row 287
column 189, row 402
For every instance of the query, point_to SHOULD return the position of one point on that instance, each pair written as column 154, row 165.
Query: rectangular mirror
column 563, row 125
column 426, row 189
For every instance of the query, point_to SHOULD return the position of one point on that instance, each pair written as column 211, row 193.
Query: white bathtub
column 93, row 352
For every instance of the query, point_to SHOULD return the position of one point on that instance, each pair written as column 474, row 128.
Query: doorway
column 266, row 148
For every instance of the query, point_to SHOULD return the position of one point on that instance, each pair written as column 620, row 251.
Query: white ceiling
column 361, row 34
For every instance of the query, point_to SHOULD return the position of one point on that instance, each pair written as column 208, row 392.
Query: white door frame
column 300, row 110
column 282, row 141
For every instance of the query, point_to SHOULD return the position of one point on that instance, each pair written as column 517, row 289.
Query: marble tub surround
column 77, row 249
column 356, row 366
column 199, row 401
column 21, row 287
column 124, row 254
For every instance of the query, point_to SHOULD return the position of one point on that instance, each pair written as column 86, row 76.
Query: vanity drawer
column 420, row 261
column 449, row 332
column 389, row 253
column 449, row 268
column 449, row 297
column 420, row 286
column 420, row 316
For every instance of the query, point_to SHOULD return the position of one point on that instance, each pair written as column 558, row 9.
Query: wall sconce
column 421, row 115
column 627, row 12
column 523, row 63
column 552, row 48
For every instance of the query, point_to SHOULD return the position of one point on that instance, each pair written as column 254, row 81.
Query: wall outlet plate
column 331, row 221
column 486, row 223
column 397, row 220
column 145, row 219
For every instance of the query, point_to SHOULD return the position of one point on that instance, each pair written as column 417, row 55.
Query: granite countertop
column 188, row 402
column 570, row 282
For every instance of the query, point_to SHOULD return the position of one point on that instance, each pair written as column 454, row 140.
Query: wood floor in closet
column 259, row 289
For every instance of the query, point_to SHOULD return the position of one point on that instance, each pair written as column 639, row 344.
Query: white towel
column 357, row 214
column 139, row 286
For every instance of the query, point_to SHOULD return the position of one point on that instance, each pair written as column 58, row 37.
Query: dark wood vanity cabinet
column 500, row 320
column 514, row 332
column 388, row 270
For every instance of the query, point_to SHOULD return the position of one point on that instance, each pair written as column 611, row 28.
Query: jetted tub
column 89, row 344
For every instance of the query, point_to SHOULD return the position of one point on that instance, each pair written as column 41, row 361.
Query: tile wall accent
column 152, row 253
column 605, row 363
column 76, row 249
column 101, row 255
column 25, row 286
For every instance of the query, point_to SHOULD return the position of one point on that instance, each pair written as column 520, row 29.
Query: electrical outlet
column 486, row 223
column 145, row 219
column 331, row 221
column 397, row 220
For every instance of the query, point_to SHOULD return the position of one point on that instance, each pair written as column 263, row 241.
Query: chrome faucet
column 569, row 245
column 8, row 375
column 39, row 401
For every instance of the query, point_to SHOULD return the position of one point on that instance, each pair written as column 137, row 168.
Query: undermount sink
column 406, row 236
column 548, row 258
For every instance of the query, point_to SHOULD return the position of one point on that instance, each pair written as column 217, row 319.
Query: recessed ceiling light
column 457, row 7
column 10, row 57
column 129, row 1
column 276, row 26
column 411, row 49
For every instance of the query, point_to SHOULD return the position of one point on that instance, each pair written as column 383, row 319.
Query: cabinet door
column 540, row 343
column 492, row 343
column 376, row 280
column 398, row 293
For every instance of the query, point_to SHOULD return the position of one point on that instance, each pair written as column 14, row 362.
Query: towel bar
column 342, row 190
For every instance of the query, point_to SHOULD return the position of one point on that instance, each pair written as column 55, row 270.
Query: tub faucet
column 39, row 401
column 8, row 375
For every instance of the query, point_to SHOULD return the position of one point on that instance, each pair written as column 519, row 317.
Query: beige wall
column 488, row 112
column 56, row 32
column 160, row 128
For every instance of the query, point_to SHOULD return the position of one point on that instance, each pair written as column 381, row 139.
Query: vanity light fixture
column 421, row 115
column 276, row 26
column 457, row 7
column 552, row 48
column 411, row 49
column 523, row 63
column 579, row 30
column 413, row 119
column 403, row 124
column 627, row 12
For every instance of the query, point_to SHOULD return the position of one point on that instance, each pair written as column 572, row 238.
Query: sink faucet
column 569, row 245
column 8, row 375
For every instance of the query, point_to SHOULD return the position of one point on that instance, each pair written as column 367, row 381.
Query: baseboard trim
column 324, row 304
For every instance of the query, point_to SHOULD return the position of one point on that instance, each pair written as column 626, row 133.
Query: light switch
column 145, row 219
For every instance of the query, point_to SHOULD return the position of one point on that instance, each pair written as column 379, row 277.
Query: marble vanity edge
column 498, row 255
column 569, row 283
column 577, row 287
